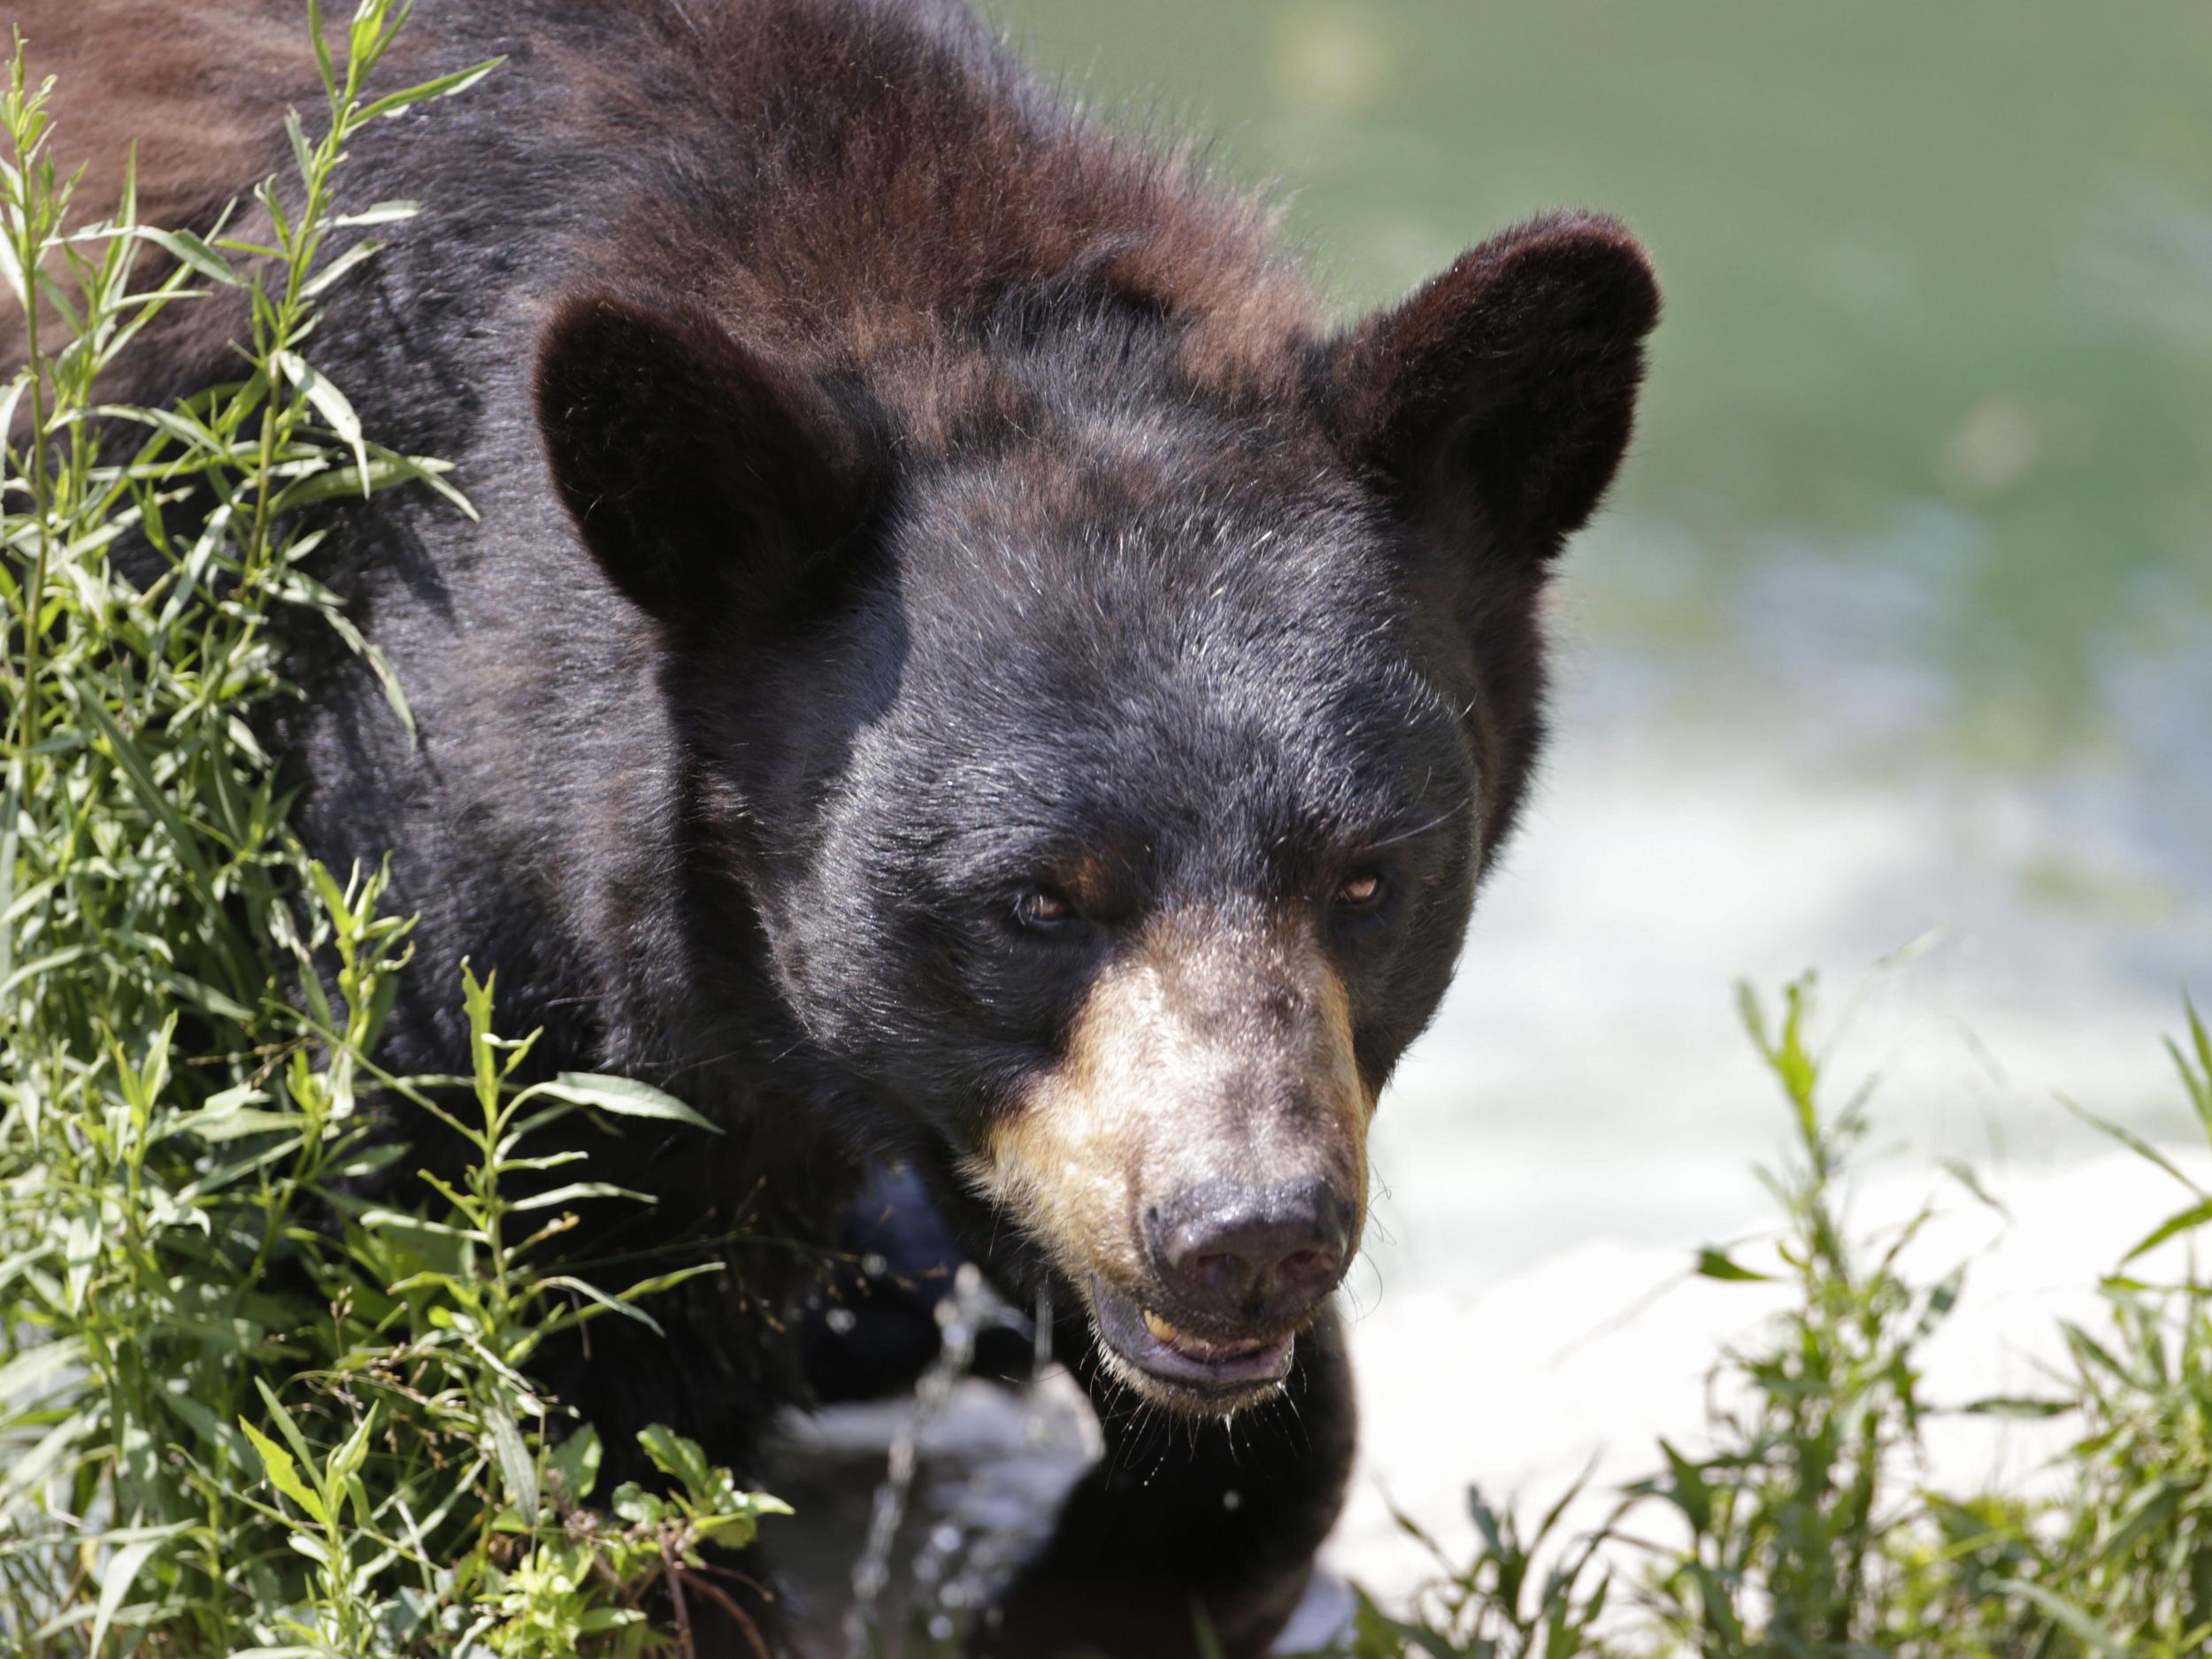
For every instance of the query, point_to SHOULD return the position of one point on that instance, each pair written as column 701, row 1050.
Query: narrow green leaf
column 331, row 274
column 624, row 1096
column 188, row 250
column 2181, row 1221
column 39, row 967
column 12, row 274
column 1690, row 1492
column 1713, row 1263
column 591, row 1293
column 2133, row 1141
column 12, row 393
column 150, row 795
column 38, row 1466
column 377, row 213
column 327, row 70
column 20, row 1375
column 443, row 87
column 311, row 1547
column 386, row 468
column 660, row 1282
column 347, row 1460
column 2013, row 1406
column 203, row 996
column 302, row 156
column 115, row 1584
column 1966, row 1176
column 284, row 1475
column 516, row 1466
column 401, row 1221
column 216, row 1128
column 577, row 1459
column 575, row 1190
column 331, row 403
column 683, row 1460
column 283, row 1420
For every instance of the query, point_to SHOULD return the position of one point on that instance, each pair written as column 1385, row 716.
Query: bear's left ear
column 1499, row 399
column 714, row 482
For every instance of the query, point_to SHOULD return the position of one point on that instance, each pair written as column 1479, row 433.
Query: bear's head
column 1109, row 765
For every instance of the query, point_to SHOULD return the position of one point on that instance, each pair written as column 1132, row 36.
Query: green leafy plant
column 1532, row 1595
column 1789, row 1519
column 243, row 1407
column 2128, row 1566
column 554, row 1598
column 1805, row 1530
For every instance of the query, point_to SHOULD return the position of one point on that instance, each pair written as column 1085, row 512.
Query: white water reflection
column 1588, row 1076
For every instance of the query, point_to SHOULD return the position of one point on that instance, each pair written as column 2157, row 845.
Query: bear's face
column 1111, row 785
column 1133, row 872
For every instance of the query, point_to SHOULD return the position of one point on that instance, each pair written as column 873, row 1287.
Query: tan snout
column 1202, row 1148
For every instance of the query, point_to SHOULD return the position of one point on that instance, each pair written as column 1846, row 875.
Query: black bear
column 961, row 662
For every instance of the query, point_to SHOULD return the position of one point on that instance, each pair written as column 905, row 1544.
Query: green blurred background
column 1935, row 274
column 1901, row 617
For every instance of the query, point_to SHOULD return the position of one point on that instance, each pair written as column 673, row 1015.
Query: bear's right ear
column 709, row 480
column 1498, row 400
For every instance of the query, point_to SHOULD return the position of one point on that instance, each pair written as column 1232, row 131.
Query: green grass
column 245, row 1410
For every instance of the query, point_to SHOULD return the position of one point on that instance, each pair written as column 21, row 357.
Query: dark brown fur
column 902, row 497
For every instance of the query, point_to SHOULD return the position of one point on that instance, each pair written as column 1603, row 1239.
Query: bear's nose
column 1262, row 1254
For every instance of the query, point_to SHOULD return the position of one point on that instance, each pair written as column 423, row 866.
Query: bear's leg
column 1181, row 1516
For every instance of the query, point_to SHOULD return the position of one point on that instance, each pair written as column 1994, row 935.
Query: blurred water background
column 1899, row 624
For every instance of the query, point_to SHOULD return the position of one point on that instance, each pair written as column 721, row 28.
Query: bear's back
column 851, row 180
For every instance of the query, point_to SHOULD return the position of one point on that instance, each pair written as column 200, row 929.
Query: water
column 1899, row 622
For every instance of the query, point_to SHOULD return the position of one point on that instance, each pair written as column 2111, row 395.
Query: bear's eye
column 1362, row 890
column 1043, row 908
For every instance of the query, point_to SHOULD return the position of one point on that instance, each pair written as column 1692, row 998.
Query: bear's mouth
column 1181, row 1368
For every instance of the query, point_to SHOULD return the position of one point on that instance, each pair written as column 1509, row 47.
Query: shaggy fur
column 933, row 553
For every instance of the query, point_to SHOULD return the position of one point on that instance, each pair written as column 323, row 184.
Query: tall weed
column 241, row 1408
column 1803, row 1529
